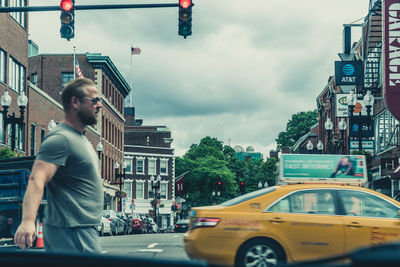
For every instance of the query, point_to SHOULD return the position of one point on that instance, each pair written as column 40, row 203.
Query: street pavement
column 148, row 246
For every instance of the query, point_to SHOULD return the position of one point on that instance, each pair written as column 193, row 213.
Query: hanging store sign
column 391, row 55
column 342, row 109
column 349, row 72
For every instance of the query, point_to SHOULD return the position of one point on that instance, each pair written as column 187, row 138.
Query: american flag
column 78, row 72
column 135, row 50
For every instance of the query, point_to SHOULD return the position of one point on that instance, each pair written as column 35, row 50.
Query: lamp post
column 320, row 147
column 155, row 185
column 52, row 124
column 259, row 185
column 342, row 128
column 310, row 147
column 328, row 127
column 99, row 149
column 22, row 101
column 120, row 176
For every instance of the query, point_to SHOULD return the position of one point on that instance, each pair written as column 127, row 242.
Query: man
column 68, row 165
column 344, row 166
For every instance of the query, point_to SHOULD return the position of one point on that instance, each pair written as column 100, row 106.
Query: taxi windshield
column 248, row 196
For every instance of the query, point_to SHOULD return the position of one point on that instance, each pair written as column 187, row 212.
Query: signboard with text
column 349, row 72
column 351, row 169
column 391, row 55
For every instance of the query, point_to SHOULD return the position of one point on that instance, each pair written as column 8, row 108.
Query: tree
column 298, row 125
column 6, row 153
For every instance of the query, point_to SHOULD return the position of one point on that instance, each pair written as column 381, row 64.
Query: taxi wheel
column 259, row 252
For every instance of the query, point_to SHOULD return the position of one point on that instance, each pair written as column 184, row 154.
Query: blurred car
column 138, row 224
column 151, row 225
column 128, row 222
column 291, row 223
column 181, row 226
column 118, row 226
column 104, row 227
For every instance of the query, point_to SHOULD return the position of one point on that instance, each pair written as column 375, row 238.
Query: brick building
column 50, row 73
column 13, row 66
column 148, row 153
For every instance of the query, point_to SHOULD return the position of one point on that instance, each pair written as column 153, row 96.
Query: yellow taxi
column 289, row 223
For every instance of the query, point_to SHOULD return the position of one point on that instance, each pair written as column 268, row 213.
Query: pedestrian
column 68, row 165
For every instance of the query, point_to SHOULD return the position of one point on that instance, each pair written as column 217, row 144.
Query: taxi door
column 369, row 220
column 306, row 224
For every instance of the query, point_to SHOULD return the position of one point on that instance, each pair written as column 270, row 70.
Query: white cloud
column 248, row 66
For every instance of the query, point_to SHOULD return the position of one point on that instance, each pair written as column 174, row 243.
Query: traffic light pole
column 83, row 7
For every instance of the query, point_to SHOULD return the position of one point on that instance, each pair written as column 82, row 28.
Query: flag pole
column 74, row 63
column 131, row 76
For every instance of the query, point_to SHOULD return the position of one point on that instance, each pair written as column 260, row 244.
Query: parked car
column 129, row 224
column 104, row 227
column 139, row 225
column 181, row 226
column 118, row 226
column 151, row 225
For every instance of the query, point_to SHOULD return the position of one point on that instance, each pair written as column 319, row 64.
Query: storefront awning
column 395, row 174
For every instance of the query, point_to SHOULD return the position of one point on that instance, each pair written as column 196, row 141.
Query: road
column 149, row 246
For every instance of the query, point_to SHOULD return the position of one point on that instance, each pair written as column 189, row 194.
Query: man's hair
column 74, row 88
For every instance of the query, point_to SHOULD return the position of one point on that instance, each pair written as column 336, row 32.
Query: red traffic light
column 242, row 183
column 66, row 5
column 185, row 3
column 219, row 183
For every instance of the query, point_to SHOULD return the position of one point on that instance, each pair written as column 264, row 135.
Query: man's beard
column 87, row 118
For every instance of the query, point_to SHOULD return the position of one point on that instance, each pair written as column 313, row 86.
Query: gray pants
column 71, row 239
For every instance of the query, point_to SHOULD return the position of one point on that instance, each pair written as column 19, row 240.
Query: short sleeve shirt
column 75, row 193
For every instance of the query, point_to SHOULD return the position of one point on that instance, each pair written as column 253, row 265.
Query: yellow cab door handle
column 276, row 220
column 354, row 225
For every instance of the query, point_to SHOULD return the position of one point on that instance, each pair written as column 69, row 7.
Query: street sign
column 349, row 72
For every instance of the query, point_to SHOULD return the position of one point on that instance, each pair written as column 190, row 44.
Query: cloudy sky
column 248, row 66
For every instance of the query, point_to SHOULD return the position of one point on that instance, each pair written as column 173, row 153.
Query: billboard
column 349, row 169
column 391, row 55
column 342, row 108
column 349, row 72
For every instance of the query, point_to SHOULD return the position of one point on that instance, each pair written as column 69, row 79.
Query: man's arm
column 42, row 173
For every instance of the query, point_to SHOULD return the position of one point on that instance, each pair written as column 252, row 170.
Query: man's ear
column 74, row 102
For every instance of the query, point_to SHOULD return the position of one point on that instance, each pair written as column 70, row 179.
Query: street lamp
column 309, row 146
column 52, row 124
column 342, row 128
column 99, row 149
column 22, row 101
column 320, row 146
column 155, row 185
column 328, row 127
column 266, row 184
column 120, row 176
column 259, row 185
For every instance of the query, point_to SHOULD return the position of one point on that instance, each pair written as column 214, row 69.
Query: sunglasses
column 94, row 100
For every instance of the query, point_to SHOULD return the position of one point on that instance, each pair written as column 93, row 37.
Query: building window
column 128, row 165
column 19, row 133
column 42, row 134
column 33, row 139
column 18, row 16
column 128, row 188
column 66, row 77
column 164, row 167
column 34, row 78
column 386, row 127
column 151, row 166
column 163, row 191
column 150, row 190
column 139, row 190
column 16, row 76
column 139, row 166
column 2, row 66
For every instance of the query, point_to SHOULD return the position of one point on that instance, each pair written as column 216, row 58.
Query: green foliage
column 7, row 153
column 209, row 162
column 297, row 126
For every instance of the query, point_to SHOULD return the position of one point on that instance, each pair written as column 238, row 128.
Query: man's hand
column 25, row 235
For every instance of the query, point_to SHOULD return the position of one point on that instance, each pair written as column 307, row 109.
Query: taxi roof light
column 205, row 222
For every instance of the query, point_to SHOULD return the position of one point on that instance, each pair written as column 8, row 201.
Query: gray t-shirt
column 75, row 194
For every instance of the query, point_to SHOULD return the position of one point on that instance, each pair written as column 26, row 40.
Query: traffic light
column 219, row 186
column 241, row 187
column 174, row 207
column 185, row 18
column 67, row 18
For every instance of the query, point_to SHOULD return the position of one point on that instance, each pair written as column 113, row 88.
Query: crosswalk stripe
column 150, row 250
column 152, row 245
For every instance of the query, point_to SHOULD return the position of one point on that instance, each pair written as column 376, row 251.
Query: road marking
column 152, row 245
column 150, row 250
column 176, row 236
column 104, row 251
